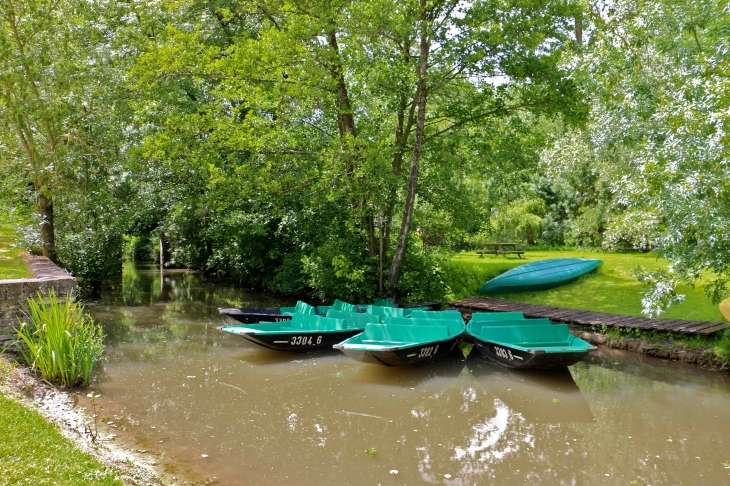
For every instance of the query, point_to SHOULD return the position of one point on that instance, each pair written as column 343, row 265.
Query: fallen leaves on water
column 371, row 451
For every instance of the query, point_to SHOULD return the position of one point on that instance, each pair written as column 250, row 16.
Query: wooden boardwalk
column 588, row 318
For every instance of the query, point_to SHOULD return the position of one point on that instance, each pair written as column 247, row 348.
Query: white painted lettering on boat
column 305, row 340
column 280, row 342
column 428, row 351
column 504, row 353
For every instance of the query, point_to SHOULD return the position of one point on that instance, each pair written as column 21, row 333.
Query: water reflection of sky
column 493, row 439
column 182, row 389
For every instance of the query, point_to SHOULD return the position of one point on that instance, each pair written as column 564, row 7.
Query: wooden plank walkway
column 588, row 318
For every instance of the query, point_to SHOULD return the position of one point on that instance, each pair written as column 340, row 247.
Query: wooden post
column 162, row 251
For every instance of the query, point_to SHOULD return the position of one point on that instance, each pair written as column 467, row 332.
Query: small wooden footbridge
column 588, row 318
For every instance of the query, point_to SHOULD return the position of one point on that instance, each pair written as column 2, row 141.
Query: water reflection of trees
column 141, row 285
column 148, row 315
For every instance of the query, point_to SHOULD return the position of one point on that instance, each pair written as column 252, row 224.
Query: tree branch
column 481, row 115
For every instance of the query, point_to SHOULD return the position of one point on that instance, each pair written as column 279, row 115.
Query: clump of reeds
column 59, row 341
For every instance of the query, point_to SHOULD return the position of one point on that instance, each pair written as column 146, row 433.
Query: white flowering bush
column 633, row 230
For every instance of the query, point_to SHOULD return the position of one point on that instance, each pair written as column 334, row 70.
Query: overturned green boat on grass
column 540, row 275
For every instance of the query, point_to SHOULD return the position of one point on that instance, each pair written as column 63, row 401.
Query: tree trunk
column 422, row 93
column 48, row 239
column 345, row 118
column 579, row 30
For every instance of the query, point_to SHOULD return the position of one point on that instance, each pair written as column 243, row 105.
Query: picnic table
column 501, row 249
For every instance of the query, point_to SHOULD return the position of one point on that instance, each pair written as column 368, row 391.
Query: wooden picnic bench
column 501, row 249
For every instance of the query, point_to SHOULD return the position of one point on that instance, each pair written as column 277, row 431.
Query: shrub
column 633, row 230
column 422, row 277
column 59, row 341
column 521, row 219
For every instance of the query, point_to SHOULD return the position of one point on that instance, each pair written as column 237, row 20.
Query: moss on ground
column 612, row 288
column 11, row 265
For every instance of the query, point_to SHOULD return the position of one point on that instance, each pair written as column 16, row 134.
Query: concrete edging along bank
column 657, row 348
column 15, row 293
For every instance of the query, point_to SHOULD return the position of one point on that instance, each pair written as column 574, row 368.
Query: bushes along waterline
column 59, row 341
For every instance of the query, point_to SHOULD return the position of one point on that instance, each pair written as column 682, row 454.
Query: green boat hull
column 411, row 356
column 531, row 359
column 405, row 341
column 540, row 275
column 304, row 332
column 300, row 342
column 527, row 343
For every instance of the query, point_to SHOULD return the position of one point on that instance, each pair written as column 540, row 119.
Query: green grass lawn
column 11, row 265
column 612, row 288
column 33, row 452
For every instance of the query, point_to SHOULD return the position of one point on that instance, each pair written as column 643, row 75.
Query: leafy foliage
column 304, row 146
column 59, row 341
column 658, row 76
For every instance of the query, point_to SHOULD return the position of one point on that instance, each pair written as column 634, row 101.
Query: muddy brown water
column 214, row 409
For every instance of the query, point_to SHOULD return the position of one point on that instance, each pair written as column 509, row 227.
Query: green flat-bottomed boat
column 252, row 315
column 404, row 340
column 516, row 342
column 304, row 332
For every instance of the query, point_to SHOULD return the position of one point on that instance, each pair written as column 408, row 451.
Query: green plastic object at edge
column 385, row 311
column 496, row 316
column 353, row 319
column 445, row 314
column 301, row 308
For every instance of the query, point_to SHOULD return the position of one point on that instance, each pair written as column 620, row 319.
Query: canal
column 211, row 408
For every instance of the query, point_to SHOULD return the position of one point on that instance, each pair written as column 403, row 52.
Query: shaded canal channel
column 206, row 404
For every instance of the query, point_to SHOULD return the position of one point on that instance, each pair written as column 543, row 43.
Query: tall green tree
column 658, row 77
column 66, row 126
column 317, row 120
column 51, row 91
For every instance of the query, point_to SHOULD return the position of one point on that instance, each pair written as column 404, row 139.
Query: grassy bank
column 610, row 289
column 33, row 451
column 11, row 265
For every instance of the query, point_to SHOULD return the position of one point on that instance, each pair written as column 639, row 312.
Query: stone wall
column 14, row 293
